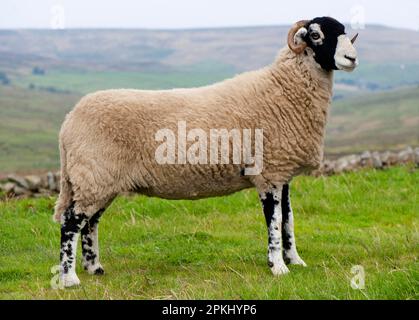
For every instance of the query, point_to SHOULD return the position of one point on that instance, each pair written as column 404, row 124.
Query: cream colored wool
column 107, row 143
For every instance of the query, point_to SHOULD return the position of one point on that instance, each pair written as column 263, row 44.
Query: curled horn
column 354, row 38
column 297, row 48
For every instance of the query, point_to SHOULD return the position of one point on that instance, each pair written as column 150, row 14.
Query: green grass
column 216, row 248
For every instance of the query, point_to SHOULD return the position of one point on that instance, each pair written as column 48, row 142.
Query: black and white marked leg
column 71, row 225
column 90, row 245
column 289, row 247
column 271, row 202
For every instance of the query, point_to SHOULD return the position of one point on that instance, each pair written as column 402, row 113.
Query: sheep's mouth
column 348, row 67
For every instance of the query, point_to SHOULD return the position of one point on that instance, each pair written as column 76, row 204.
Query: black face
column 322, row 37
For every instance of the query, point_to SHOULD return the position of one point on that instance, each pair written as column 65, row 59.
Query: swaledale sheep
column 108, row 142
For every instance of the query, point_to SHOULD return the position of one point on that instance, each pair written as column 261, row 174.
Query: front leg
column 90, row 245
column 289, row 247
column 271, row 202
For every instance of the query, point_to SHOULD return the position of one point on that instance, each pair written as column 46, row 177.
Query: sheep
column 109, row 142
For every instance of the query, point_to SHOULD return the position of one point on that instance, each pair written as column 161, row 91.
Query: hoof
column 295, row 260
column 99, row 271
column 96, row 269
column 298, row 261
column 279, row 269
column 70, row 280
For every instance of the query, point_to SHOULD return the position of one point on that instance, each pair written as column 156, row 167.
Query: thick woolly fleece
column 107, row 143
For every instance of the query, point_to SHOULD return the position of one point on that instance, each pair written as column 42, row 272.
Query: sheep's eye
column 315, row 36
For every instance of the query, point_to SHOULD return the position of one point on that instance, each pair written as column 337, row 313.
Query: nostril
column 352, row 59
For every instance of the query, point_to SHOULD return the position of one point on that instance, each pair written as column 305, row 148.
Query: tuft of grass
column 216, row 248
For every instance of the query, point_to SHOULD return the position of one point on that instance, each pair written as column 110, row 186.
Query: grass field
column 216, row 248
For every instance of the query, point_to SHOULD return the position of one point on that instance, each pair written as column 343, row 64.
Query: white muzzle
column 346, row 57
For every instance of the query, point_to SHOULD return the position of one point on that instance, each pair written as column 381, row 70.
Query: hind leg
column 90, row 245
column 71, row 224
column 90, row 237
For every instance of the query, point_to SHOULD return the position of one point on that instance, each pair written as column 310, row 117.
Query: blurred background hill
column 44, row 72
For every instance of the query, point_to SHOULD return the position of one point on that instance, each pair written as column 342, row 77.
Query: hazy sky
column 200, row 13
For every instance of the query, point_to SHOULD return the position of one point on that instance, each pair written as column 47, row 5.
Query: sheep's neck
column 308, row 91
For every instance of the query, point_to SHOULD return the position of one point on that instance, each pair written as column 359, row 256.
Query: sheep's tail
column 66, row 193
